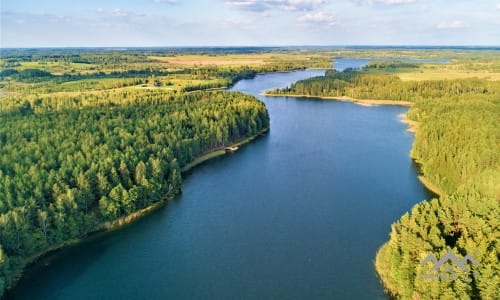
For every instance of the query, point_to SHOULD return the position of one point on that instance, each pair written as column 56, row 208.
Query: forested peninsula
column 68, row 172
column 457, row 149
column 90, row 138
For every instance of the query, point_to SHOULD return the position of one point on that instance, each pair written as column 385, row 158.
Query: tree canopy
column 66, row 171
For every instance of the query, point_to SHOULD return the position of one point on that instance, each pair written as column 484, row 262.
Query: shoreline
column 430, row 186
column 100, row 228
column 119, row 223
column 363, row 102
column 413, row 128
column 220, row 151
column 412, row 125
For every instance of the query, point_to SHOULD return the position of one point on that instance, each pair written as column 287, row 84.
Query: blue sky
column 73, row 23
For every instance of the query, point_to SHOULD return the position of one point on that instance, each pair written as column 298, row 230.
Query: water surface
column 340, row 64
column 297, row 214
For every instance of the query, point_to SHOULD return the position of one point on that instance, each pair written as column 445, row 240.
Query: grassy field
column 451, row 71
column 188, row 60
column 463, row 64
column 58, row 68
column 81, row 72
column 246, row 59
column 186, row 71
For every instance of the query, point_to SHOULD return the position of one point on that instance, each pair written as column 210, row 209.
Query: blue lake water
column 297, row 214
column 340, row 64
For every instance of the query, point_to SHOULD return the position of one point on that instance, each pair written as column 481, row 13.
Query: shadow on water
column 42, row 272
column 226, row 158
column 418, row 170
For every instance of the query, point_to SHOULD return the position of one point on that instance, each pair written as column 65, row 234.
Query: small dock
column 231, row 149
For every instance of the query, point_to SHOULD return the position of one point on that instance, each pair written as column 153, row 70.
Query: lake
column 340, row 64
column 297, row 214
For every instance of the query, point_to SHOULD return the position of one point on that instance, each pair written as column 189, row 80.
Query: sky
column 145, row 23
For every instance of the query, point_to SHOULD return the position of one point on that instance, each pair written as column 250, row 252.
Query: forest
column 89, row 137
column 456, row 146
column 65, row 173
column 79, row 152
column 368, row 84
column 457, row 149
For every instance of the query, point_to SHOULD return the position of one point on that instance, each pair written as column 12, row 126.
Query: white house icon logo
column 437, row 272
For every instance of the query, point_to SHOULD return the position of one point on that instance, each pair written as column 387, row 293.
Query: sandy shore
column 412, row 125
column 120, row 222
column 363, row 102
column 430, row 186
column 220, row 151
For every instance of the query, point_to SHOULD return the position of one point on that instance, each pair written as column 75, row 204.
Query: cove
column 297, row 214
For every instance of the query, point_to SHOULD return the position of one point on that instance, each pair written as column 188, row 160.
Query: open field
column 246, row 59
column 71, row 71
column 211, row 60
column 451, row 71
column 463, row 63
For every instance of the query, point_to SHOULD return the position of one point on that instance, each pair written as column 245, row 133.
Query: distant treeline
column 13, row 57
column 37, row 75
column 366, row 85
column 64, row 172
column 391, row 65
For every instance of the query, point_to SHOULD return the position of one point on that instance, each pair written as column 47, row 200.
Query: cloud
column 118, row 13
column 385, row 2
column 30, row 18
column 498, row 6
column 317, row 18
column 450, row 25
column 169, row 2
column 265, row 5
column 395, row 2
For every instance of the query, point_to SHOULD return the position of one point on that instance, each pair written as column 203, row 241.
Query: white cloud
column 317, row 18
column 118, row 13
column 498, row 6
column 264, row 5
column 170, row 2
column 390, row 2
column 450, row 25
column 393, row 2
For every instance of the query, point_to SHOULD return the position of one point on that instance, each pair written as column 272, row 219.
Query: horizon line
column 256, row 46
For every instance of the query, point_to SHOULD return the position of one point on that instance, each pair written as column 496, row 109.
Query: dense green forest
column 65, row 172
column 374, row 85
column 90, row 136
column 457, row 149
